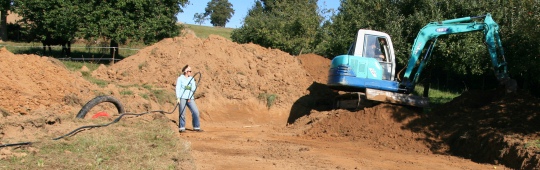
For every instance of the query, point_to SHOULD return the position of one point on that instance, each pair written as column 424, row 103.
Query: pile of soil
column 484, row 126
column 490, row 126
column 30, row 83
column 233, row 77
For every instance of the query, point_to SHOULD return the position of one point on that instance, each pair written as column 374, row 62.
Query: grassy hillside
column 204, row 31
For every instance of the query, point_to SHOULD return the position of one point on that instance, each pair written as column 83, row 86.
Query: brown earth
column 299, row 130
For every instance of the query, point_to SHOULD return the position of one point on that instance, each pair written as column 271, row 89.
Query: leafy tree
column 114, row 21
column 54, row 19
column 290, row 26
column 521, row 34
column 199, row 18
column 133, row 20
column 339, row 33
column 220, row 11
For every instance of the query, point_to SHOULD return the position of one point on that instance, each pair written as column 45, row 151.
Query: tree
column 220, row 11
column 134, row 20
column 521, row 34
column 114, row 21
column 50, row 20
column 199, row 18
column 5, row 5
column 290, row 26
column 339, row 33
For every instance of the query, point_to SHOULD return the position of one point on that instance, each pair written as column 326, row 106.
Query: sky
column 240, row 7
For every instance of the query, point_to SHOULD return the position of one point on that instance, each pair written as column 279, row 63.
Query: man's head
column 382, row 41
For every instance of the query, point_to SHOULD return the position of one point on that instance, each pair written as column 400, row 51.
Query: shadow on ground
column 486, row 127
column 320, row 98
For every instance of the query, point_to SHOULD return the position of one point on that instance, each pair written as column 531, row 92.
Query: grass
column 534, row 143
column 76, row 66
column 269, row 99
column 99, row 82
column 436, row 97
column 78, row 50
column 159, row 95
column 204, row 31
column 126, row 92
column 130, row 144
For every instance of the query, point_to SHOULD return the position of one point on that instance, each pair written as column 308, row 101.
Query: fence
column 87, row 53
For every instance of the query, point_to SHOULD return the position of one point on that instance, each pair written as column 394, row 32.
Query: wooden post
column 114, row 52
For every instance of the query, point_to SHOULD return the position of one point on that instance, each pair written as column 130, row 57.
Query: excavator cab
column 376, row 45
column 367, row 73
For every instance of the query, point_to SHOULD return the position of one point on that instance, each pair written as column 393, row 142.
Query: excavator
column 367, row 73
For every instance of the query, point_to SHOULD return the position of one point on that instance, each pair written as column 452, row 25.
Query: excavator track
column 352, row 101
column 397, row 98
column 360, row 100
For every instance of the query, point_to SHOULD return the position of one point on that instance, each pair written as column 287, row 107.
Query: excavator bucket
column 509, row 84
column 396, row 98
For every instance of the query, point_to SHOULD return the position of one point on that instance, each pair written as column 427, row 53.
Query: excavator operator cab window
column 376, row 47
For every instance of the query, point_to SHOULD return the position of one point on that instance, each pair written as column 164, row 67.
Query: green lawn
column 204, row 31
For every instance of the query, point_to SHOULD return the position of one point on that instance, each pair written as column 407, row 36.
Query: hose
column 97, row 100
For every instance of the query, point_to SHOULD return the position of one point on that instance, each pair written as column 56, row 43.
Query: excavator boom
column 455, row 26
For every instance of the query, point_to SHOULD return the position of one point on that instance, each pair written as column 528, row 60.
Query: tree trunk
column 3, row 25
column 427, row 84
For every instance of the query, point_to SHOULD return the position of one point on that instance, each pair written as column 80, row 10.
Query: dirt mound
column 381, row 126
column 31, row 83
column 316, row 66
column 491, row 126
column 236, row 76
column 485, row 126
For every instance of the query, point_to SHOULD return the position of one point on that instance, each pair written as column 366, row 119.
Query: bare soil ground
column 299, row 130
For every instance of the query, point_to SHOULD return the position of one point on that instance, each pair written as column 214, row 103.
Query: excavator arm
column 455, row 26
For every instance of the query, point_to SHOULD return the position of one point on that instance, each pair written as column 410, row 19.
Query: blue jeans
column 194, row 114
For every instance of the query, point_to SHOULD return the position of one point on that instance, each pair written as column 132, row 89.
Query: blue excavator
column 366, row 74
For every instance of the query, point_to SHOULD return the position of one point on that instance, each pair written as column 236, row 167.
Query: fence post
column 114, row 52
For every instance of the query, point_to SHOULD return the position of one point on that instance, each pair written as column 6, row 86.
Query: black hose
column 15, row 144
column 97, row 100
column 107, row 124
